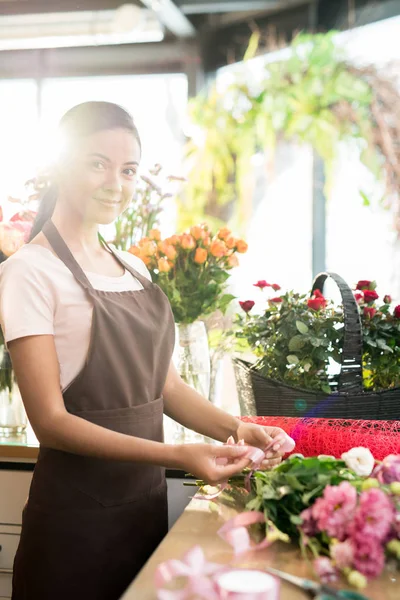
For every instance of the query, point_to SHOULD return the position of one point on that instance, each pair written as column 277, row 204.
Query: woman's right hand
column 213, row 464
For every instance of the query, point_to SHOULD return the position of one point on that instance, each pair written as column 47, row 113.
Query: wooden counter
column 197, row 525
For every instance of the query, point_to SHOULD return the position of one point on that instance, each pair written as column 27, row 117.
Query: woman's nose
column 113, row 182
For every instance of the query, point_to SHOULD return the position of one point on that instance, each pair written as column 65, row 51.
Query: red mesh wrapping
column 335, row 436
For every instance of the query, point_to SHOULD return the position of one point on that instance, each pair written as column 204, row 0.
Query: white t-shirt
column 39, row 296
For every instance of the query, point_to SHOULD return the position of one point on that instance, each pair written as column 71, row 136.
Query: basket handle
column 350, row 378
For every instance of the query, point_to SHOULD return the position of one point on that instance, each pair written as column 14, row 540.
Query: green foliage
column 313, row 97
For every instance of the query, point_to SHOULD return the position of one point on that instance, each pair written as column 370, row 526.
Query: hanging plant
column 316, row 97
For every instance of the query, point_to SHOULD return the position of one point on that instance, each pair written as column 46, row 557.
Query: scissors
column 316, row 590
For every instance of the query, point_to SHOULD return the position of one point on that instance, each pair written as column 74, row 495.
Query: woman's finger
column 269, row 464
column 232, row 469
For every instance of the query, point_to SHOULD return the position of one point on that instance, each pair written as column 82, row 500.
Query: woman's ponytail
column 46, row 209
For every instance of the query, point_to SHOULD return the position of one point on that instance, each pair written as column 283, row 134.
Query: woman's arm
column 183, row 404
column 36, row 367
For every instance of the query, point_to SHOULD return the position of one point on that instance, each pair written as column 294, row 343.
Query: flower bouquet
column 343, row 514
column 192, row 268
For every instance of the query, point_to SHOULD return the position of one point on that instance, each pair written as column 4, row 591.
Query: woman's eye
column 130, row 172
column 99, row 166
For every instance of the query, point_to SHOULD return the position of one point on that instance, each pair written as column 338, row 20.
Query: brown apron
column 90, row 524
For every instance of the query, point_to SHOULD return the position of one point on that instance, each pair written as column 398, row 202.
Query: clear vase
column 192, row 360
column 13, row 419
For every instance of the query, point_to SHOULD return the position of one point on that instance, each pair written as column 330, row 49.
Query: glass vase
column 192, row 360
column 13, row 419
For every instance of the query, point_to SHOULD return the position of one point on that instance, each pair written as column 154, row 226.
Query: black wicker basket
column 264, row 396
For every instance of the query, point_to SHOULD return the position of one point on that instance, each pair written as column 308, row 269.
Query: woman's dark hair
column 79, row 122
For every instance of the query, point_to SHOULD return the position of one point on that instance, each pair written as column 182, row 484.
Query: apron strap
column 146, row 283
column 64, row 253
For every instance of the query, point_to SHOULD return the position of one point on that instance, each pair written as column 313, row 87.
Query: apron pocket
column 111, row 482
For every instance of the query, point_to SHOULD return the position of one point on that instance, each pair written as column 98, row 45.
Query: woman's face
column 98, row 180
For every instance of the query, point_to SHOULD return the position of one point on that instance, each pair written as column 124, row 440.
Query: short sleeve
column 26, row 300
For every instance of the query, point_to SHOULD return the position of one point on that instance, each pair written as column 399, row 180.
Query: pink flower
column 369, row 557
column 374, row 515
column 343, row 554
column 387, row 299
column 325, row 569
column 389, row 470
column 334, row 511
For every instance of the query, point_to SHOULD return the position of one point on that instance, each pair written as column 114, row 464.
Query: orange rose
column 206, row 240
column 145, row 259
column 230, row 242
column 241, row 246
column 155, row 234
column 173, row 240
column 134, row 250
column 170, row 252
column 224, row 233
column 218, row 249
column 163, row 265
column 200, row 256
column 149, row 248
column 187, row 241
column 233, row 261
column 197, row 232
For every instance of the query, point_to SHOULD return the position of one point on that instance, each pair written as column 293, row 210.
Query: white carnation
column 359, row 460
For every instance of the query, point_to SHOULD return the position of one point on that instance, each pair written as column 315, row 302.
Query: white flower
column 360, row 460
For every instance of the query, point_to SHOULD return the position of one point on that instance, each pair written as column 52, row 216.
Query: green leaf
column 292, row 359
column 296, row 343
column 366, row 200
column 302, row 327
column 296, row 520
column 326, row 388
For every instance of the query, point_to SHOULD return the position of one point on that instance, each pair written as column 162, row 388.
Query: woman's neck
column 78, row 234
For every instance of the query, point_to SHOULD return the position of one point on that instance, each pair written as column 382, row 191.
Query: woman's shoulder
column 31, row 260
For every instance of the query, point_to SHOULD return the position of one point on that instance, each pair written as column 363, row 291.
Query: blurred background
column 315, row 193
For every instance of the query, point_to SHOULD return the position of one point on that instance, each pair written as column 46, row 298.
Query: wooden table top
column 199, row 525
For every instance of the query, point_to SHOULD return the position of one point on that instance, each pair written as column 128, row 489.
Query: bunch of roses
column 197, row 245
column 359, row 522
column 296, row 337
column 366, row 296
column 15, row 233
column 192, row 268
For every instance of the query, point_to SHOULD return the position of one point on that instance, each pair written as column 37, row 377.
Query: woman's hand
column 213, row 464
column 269, row 439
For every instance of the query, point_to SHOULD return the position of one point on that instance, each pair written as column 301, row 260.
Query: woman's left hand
column 263, row 438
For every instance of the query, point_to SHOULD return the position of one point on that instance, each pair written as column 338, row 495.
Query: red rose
column 363, row 284
column 316, row 303
column 370, row 295
column 396, row 312
column 317, row 294
column 387, row 299
column 261, row 284
column 369, row 311
column 247, row 305
column 275, row 287
column 277, row 299
column 359, row 297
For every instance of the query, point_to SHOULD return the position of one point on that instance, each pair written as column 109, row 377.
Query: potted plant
column 303, row 346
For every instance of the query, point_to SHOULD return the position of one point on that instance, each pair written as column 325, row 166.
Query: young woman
column 91, row 340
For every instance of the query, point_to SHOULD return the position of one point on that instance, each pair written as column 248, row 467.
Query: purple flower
column 325, row 569
column 335, row 510
column 374, row 515
column 309, row 525
column 369, row 556
column 389, row 470
column 343, row 554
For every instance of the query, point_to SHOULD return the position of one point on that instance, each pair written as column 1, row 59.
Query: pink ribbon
column 198, row 572
column 207, row 580
column 236, row 534
column 256, row 455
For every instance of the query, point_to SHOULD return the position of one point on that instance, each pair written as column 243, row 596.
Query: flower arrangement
column 298, row 339
column 15, row 232
column 344, row 513
column 143, row 213
column 192, row 268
